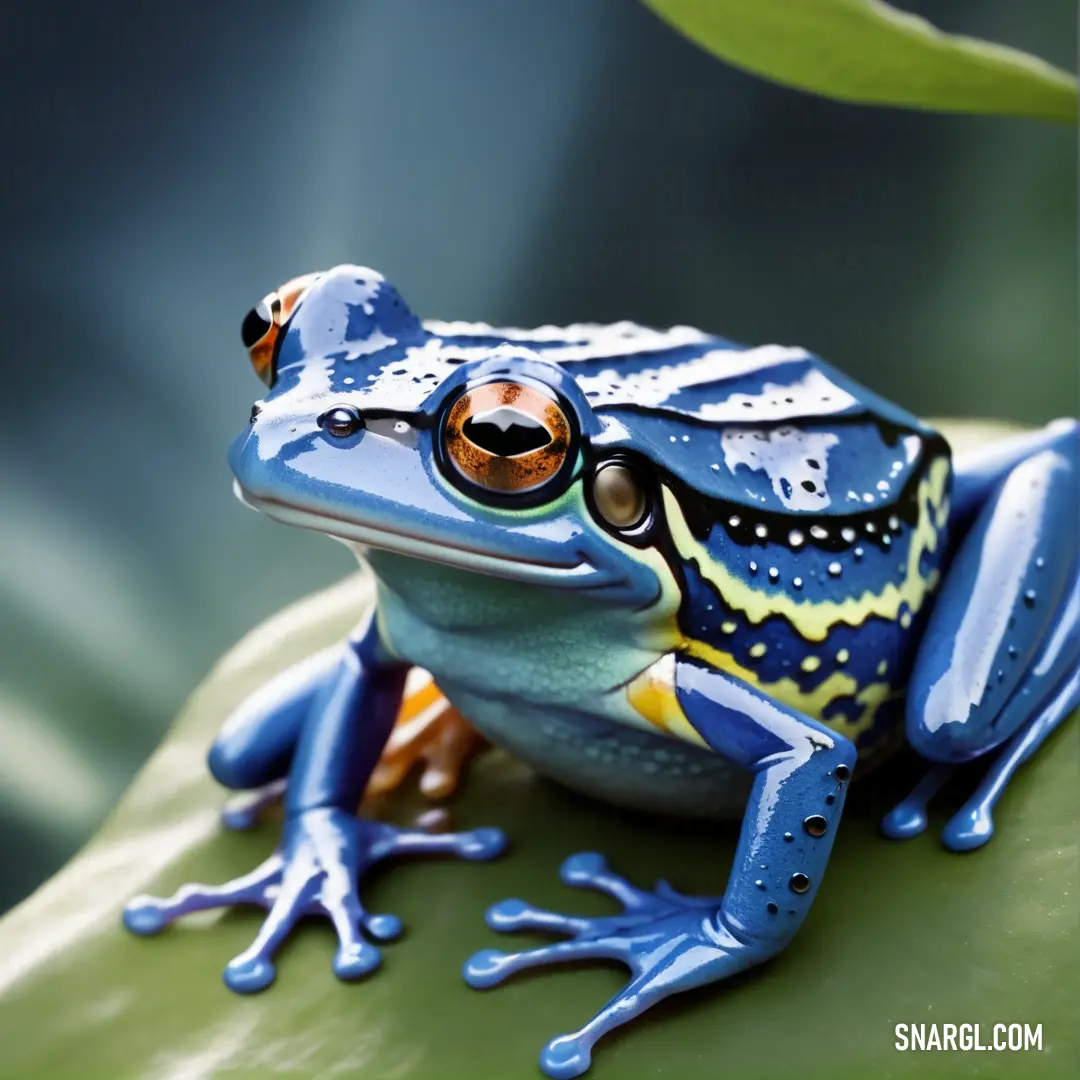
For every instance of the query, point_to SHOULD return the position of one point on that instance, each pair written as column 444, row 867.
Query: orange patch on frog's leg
column 429, row 731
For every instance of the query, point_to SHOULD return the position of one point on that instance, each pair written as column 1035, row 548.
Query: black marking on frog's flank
column 799, row 882
column 755, row 528
column 816, row 825
column 842, row 773
column 771, row 908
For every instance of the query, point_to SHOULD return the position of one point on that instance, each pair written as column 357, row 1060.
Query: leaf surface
column 868, row 52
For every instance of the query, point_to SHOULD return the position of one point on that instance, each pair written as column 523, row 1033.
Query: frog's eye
column 618, row 495
column 341, row 421
column 506, row 437
column 261, row 328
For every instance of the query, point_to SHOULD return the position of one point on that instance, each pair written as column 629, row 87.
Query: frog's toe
column 356, row 959
column 246, row 974
column 565, row 1057
column 589, row 870
column 485, row 968
column 150, row 914
column 481, row 844
column 904, row 821
column 383, row 927
column 431, row 734
column 510, row 915
column 969, row 829
column 145, row 915
column 476, row 845
column 584, row 868
column 491, row 966
column 909, row 817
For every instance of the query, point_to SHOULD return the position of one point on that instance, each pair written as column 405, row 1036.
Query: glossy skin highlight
column 785, row 576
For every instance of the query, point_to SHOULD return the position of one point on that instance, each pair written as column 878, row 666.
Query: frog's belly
column 621, row 765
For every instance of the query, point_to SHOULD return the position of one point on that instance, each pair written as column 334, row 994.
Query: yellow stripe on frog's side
column 813, row 618
column 652, row 694
column 810, row 703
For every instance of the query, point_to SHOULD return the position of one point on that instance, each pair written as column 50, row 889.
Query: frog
column 676, row 573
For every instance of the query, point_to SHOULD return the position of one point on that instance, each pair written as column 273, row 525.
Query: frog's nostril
column 255, row 410
column 341, row 421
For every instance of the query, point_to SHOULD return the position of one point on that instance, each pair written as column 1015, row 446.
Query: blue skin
column 798, row 485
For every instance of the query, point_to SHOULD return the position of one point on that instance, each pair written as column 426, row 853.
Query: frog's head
column 485, row 458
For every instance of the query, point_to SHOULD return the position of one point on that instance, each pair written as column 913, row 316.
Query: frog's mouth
column 571, row 575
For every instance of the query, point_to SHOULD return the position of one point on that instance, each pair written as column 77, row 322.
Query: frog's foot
column 973, row 824
column 316, row 870
column 909, row 817
column 429, row 731
column 244, row 810
column 668, row 941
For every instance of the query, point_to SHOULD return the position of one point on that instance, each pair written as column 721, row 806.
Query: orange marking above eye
column 490, row 432
column 277, row 307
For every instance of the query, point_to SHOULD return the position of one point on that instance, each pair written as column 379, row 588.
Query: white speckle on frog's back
column 795, row 461
column 373, row 344
column 579, row 341
column 326, row 334
column 814, row 394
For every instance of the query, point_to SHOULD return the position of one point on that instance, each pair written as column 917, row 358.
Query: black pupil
column 255, row 325
column 506, row 432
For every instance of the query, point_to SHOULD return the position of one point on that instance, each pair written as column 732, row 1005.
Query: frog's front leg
column 672, row 942
column 1000, row 660
column 254, row 749
column 325, row 848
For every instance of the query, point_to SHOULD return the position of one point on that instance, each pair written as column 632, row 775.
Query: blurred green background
column 537, row 161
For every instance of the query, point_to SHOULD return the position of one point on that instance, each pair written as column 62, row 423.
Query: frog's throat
column 568, row 575
column 813, row 618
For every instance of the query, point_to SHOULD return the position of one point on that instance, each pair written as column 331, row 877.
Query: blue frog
column 669, row 571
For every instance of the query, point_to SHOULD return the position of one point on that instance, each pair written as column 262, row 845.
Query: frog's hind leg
column 973, row 825
column 999, row 661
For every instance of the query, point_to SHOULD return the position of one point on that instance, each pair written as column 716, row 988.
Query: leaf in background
column 868, row 52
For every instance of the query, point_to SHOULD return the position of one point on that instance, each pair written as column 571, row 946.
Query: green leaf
column 899, row 933
column 868, row 52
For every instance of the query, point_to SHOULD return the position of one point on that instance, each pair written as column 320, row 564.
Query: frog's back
column 773, row 428
column 806, row 514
